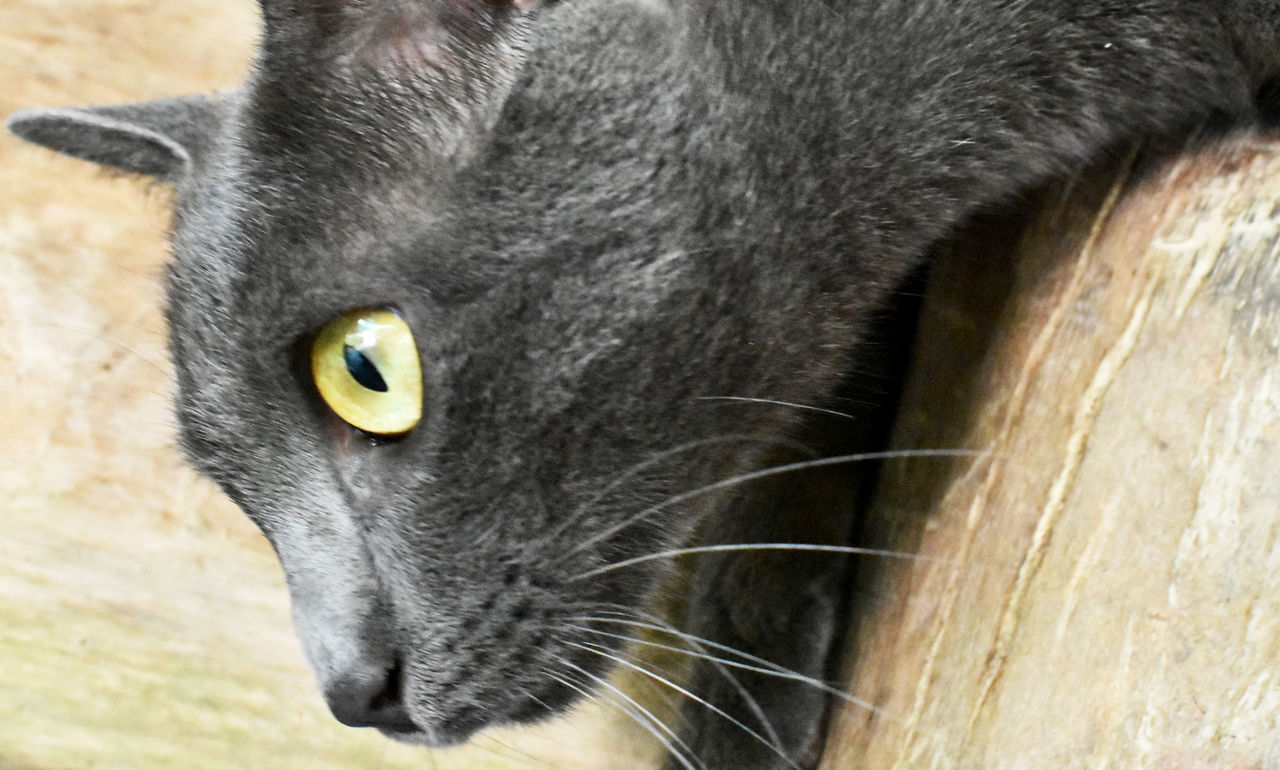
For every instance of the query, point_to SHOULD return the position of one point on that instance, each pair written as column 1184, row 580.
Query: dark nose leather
column 369, row 695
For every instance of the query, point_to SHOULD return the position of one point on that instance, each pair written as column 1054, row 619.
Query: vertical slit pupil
column 362, row 369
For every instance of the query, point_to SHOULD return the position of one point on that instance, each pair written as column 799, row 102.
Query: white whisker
column 97, row 335
column 655, row 726
column 683, row 691
column 540, row 702
column 738, row 687
column 776, row 402
column 511, row 752
column 730, row 547
column 766, row 668
column 655, row 459
column 767, row 472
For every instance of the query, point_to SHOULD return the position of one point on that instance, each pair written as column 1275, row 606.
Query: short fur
column 594, row 214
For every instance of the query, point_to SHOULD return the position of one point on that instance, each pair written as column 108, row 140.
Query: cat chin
column 458, row 732
column 432, row 739
column 441, row 736
column 550, row 704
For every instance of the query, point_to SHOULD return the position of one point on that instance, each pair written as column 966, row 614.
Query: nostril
column 390, row 696
column 369, row 695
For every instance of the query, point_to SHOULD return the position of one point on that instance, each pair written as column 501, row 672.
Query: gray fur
column 593, row 213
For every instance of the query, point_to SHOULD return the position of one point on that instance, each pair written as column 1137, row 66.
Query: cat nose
column 369, row 694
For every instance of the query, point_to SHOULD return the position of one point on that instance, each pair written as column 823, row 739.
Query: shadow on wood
column 1100, row 588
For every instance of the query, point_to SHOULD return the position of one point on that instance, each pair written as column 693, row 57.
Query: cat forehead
column 256, row 263
column 344, row 184
column 303, row 207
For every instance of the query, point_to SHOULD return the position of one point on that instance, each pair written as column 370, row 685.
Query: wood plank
column 1101, row 587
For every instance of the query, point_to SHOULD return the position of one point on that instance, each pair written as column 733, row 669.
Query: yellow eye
column 365, row 365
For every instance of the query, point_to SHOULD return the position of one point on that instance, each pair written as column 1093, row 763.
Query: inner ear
column 161, row 139
column 432, row 35
column 414, row 35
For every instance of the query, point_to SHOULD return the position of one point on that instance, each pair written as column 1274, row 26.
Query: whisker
column 767, row 472
column 548, row 740
column 767, row 668
column 663, row 680
column 655, row 726
column 611, row 700
column 512, row 752
column 653, row 460
column 811, row 547
column 540, row 702
column 733, row 681
column 776, row 402
column 625, row 616
column 103, row 338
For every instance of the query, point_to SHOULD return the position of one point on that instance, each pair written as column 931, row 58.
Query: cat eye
column 365, row 365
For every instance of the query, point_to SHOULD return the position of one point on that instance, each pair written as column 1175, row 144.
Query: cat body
column 596, row 216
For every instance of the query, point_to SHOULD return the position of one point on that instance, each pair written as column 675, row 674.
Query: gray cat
column 461, row 290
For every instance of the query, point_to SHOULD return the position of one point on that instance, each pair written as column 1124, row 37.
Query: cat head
column 558, row 206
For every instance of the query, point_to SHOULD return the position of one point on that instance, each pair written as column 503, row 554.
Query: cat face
column 440, row 564
column 573, row 244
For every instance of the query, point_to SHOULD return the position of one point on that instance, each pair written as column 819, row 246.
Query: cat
column 480, row 309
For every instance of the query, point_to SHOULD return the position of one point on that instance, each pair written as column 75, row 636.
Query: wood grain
column 1100, row 589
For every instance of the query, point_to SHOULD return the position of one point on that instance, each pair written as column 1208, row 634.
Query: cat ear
column 428, row 35
column 279, row 8
column 161, row 139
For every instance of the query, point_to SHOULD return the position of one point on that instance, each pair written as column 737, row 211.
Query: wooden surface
column 1102, row 589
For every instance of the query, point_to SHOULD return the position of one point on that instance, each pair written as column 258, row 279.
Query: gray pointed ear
column 162, row 139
